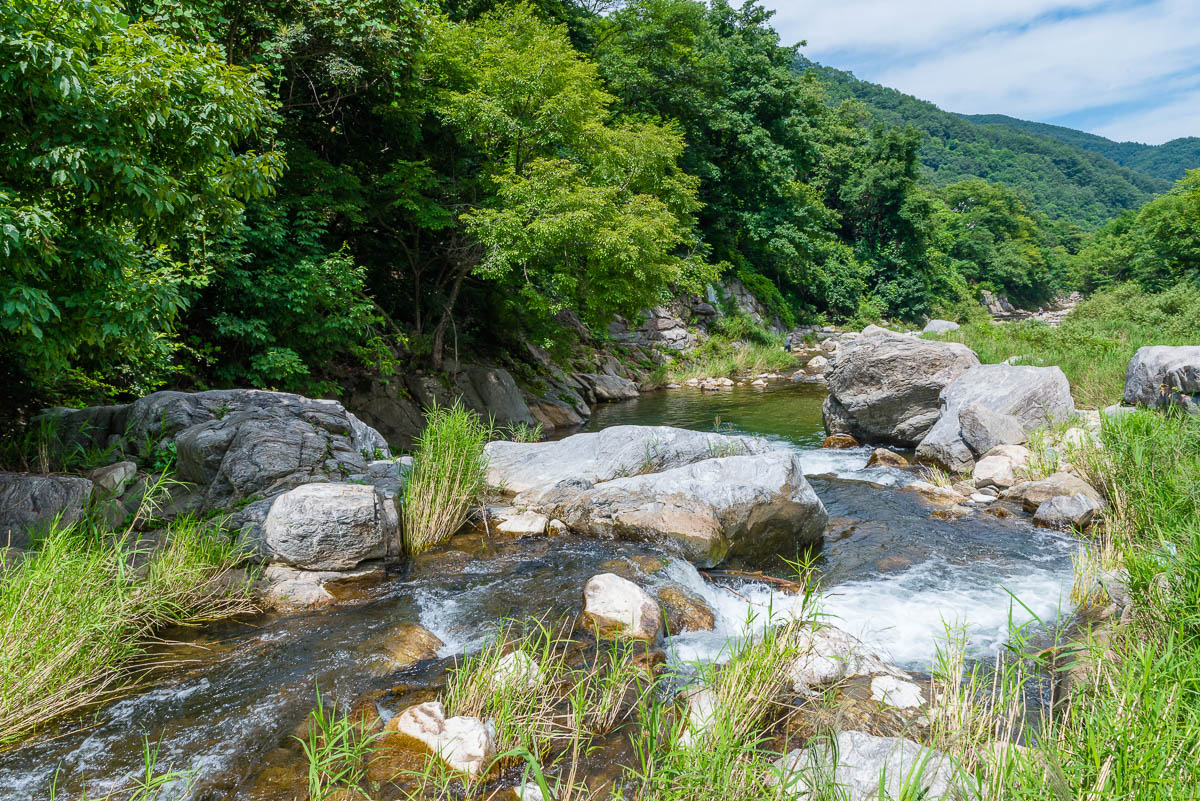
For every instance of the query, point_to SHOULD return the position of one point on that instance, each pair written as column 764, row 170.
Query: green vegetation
column 1094, row 344
column 448, row 476
column 336, row 748
column 737, row 347
column 76, row 612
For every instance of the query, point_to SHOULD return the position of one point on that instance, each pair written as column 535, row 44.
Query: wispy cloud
column 1131, row 69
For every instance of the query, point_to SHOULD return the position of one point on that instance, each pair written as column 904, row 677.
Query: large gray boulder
column 539, row 472
column 1065, row 511
column 984, row 429
column 885, row 388
column 747, row 507
column 606, row 388
column 331, row 527
column 939, row 327
column 1032, row 494
column 235, row 445
column 1034, row 396
column 863, row 767
column 28, row 503
column 1160, row 375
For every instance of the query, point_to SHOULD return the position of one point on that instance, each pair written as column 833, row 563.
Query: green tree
column 120, row 166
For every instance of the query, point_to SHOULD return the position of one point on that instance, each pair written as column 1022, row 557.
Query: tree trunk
column 439, row 333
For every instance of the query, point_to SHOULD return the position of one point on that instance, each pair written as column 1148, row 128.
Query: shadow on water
column 892, row 574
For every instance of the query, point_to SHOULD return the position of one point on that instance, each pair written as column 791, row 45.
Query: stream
column 236, row 693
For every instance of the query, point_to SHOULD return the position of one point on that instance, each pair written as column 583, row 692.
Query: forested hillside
column 210, row 193
column 1064, row 180
column 1169, row 161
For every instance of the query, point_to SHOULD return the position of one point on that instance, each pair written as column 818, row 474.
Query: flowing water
column 891, row 573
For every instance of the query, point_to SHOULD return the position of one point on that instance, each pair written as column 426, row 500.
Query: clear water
column 892, row 574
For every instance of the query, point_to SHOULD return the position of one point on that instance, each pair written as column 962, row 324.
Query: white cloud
column 1027, row 58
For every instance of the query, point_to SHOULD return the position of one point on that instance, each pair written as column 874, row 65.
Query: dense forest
column 209, row 193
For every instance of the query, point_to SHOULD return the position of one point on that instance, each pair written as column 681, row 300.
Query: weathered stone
column 815, row 365
column 751, row 507
column 331, row 527
column 1065, row 511
column 616, row 607
column 465, row 744
column 685, row 611
column 409, row 643
column 939, row 327
column 1033, row 494
column 516, row 670
column 896, row 692
column 941, row 496
column 110, row 480
column 994, row 471
column 984, row 429
column 827, row 655
column 1161, row 375
column 839, row 442
column 29, row 503
column 885, row 388
column 288, row 589
column 863, row 767
column 535, row 472
column 526, row 524
column 607, row 388
column 492, row 392
column 882, row 457
column 1035, row 396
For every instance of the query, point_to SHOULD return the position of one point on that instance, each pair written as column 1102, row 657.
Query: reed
column 448, row 476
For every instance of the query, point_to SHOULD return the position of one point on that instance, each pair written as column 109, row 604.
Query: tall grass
column 738, row 346
column 76, row 612
column 1094, row 344
column 448, row 476
column 336, row 748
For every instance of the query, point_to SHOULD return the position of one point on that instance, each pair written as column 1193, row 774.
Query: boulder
column 994, row 471
column 28, row 503
column 984, row 429
column 886, row 388
column 882, row 457
column 535, row 472
column 839, row 442
column 751, row 507
column 827, row 655
column 525, row 524
column 816, row 365
column 616, row 607
column 939, row 327
column 1032, row 494
column 465, row 744
column 1161, row 375
column 863, row 767
column 1065, row 511
column 492, row 392
column 1035, row 396
column 607, row 388
column 685, row 611
column 897, row 692
column 287, row 589
column 331, row 527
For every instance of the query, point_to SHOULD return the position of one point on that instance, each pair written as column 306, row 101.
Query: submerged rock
column 863, row 767
column 1034, row 396
column 1161, row 375
column 28, row 503
column 885, row 388
column 536, row 472
column 616, row 607
column 465, row 744
column 839, row 442
column 685, row 611
column 750, row 507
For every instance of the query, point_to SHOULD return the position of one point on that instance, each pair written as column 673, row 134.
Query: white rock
column 994, row 471
column 464, row 743
column 617, row 607
column 526, row 524
column 896, row 692
column 979, row 497
column 530, row 791
column 827, row 655
column 517, row 670
column 111, row 479
column 863, row 764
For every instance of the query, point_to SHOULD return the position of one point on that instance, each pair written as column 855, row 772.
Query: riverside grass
column 1094, row 344
column 77, row 611
column 448, row 476
column 739, row 346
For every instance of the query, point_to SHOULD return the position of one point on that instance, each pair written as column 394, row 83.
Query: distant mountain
column 1063, row 179
column 1168, row 160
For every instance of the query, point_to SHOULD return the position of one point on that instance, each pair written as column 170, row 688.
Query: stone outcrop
column 885, row 388
column 29, row 503
column 748, row 507
column 1160, row 375
column 1034, row 396
column 539, row 472
column 863, row 767
column 616, row 607
column 662, row 327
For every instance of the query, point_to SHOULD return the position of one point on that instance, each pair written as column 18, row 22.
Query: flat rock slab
column 749, row 507
column 885, row 388
column 539, row 472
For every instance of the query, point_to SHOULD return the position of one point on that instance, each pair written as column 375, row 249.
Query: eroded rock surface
column 1162, row 375
column 29, row 503
column 616, row 607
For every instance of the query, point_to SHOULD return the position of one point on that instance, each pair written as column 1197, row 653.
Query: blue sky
column 1125, row 69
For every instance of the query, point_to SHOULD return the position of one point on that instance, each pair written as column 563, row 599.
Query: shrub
column 448, row 476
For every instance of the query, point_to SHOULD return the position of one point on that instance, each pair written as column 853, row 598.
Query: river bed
column 890, row 571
